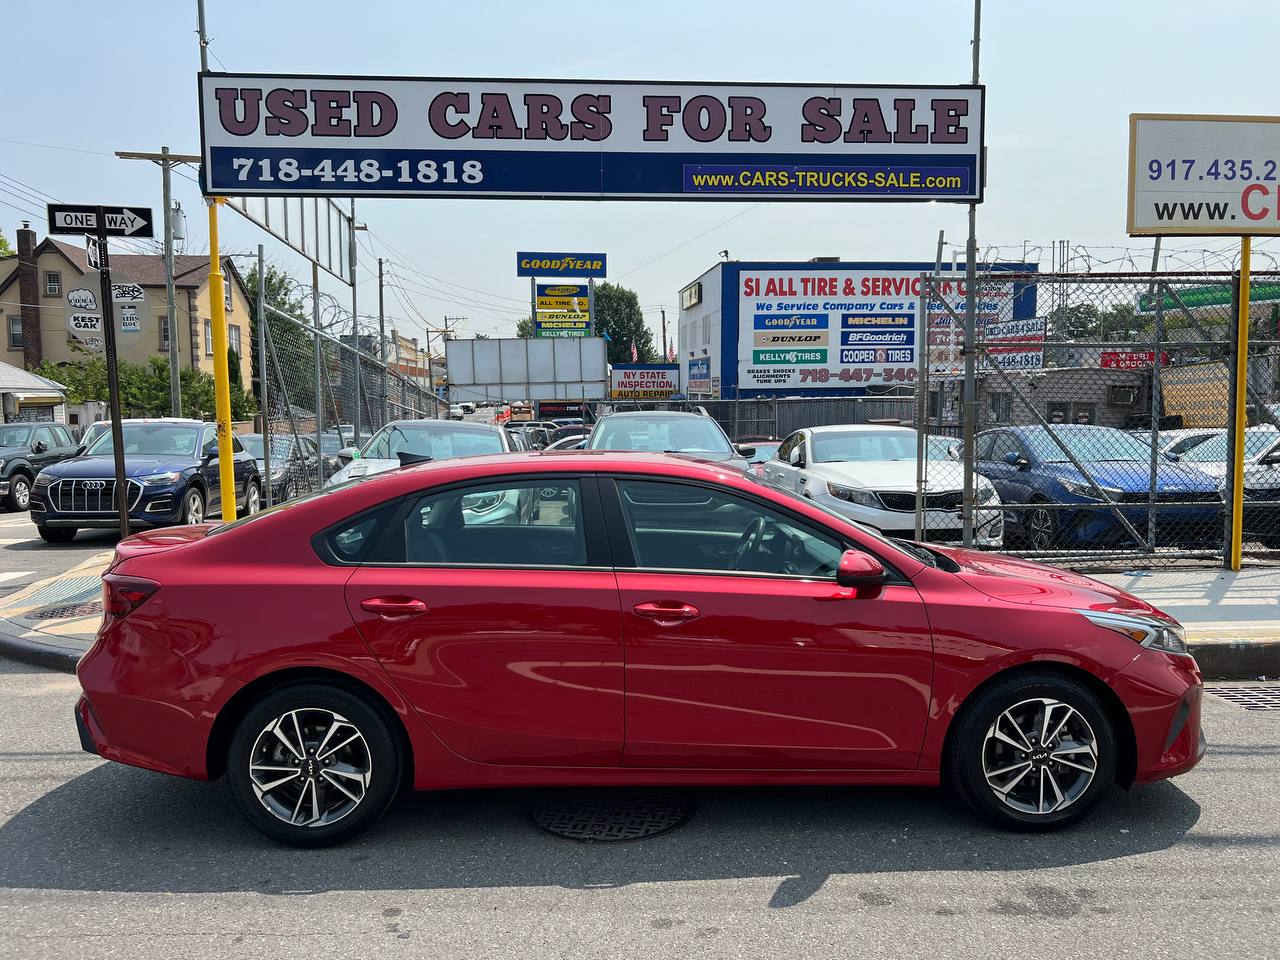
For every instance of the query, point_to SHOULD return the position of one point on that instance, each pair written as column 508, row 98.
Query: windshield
column 151, row 440
column 331, row 442
column 1099, row 444
column 280, row 446
column 15, row 436
column 439, row 442
column 939, row 448
column 857, row 446
column 1214, row 450
column 661, row 435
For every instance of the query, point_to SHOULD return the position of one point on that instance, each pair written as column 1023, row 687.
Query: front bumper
column 4, row 488
column 940, row 526
column 154, row 506
column 1162, row 694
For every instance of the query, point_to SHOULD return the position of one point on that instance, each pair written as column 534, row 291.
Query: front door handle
column 667, row 613
column 393, row 609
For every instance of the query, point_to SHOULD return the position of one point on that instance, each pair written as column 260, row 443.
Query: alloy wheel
column 195, row 508
column 21, row 493
column 1039, row 756
column 1040, row 530
column 251, row 501
column 310, row 767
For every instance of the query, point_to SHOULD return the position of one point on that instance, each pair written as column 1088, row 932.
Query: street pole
column 175, row 371
column 221, row 378
column 263, row 371
column 204, row 37
column 355, row 319
column 113, row 373
column 663, row 311
column 1241, row 407
column 382, row 347
column 970, row 319
column 319, row 399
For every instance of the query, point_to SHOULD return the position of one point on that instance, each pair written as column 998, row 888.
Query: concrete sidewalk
column 1232, row 619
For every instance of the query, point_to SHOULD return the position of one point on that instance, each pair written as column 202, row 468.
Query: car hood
column 1133, row 476
column 99, row 467
column 364, row 467
column 1024, row 581
column 7, row 452
column 897, row 476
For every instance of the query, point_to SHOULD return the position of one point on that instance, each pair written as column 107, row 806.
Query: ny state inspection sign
column 380, row 136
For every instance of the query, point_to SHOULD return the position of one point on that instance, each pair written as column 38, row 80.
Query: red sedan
column 613, row 618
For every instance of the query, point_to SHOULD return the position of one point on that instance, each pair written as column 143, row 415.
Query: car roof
column 627, row 414
column 451, row 425
column 861, row 428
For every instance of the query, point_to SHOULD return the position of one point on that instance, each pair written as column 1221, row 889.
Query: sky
column 1061, row 81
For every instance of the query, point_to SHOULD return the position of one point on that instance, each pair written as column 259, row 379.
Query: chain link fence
column 323, row 393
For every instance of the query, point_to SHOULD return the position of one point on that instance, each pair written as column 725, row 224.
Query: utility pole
column 382, row 347
column 166, row 161
column 664, row 333
column 970, row 331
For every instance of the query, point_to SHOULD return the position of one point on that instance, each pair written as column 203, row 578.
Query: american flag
column 635, row 354
column 671, row 353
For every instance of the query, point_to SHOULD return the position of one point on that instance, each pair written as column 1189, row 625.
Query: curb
column 39, row 654
column 1238, row 659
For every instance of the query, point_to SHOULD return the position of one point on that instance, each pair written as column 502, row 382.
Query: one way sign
column 83, row 218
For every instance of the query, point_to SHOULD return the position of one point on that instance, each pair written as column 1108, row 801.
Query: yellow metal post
column 221, row 376
column 1242, row 373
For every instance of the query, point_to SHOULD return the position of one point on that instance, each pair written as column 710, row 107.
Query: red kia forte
column 614, row 618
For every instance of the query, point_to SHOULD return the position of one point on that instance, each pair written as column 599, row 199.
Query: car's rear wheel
column 1036, row 751
column 57, row 534
column 313, row 765
column 19, row 492
column 193, row 507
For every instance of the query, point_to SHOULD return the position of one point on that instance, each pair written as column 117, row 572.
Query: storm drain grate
column 67, row 611
column 1251, row 697
column 609, row 817
column 70, row 590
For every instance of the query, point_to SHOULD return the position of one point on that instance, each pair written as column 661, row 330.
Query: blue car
column 173, row 475
column 1028, row 466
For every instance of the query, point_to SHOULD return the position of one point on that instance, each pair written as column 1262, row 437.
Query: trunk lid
column 160, row 540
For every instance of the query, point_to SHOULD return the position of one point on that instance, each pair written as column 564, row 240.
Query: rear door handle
column 394, row 609
column 667, row 613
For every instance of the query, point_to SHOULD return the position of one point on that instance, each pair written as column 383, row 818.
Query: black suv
column 25, row 448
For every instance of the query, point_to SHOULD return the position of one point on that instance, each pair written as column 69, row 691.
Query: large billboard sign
column 1199, row 175
column 1006, row 326
column 271, row 134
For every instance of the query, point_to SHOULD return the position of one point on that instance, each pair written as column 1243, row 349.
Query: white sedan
column 868, row 474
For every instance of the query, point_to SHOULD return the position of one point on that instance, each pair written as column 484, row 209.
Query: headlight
column 986, row 494
column 156, row 479
column 1149, row 631
column 1088, row 490
column 43, row 479
column 852, row 495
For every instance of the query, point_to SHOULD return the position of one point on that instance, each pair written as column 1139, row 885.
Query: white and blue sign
column 699, row 376
column 267, row 134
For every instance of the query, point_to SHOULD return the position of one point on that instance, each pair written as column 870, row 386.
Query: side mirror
column 796, row 457
column 39, row 447
column 744, row 450
column 953, row 452
column 1015, row 459
column 347, row 454
column 859, row 570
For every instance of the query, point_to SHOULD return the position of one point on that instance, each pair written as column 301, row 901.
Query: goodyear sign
column 563, row 297
column 560, row 264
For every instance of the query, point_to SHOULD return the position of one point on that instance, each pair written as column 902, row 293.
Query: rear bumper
column 145, row 706
column 1163, row 694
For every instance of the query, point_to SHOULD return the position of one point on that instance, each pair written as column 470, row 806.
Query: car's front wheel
column 1036, row 751
column 192, row 507
column 57, row 534
column 252, row 499
column 19, row 492
column 313, row 765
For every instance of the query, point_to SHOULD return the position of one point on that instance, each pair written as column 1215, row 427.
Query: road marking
column 6, row 543
column 15, row 575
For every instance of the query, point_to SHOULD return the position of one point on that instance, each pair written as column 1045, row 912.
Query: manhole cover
column 1251, row 698
column 612, row 817
column 67, row 611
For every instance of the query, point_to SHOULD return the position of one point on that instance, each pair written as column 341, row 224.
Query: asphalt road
column 99, row 860
column 25, row 558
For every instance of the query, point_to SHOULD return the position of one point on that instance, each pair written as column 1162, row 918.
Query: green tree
column 5, row 249
column 618, row 314
column 243, row 404
column 294, row 346
column 524, row 328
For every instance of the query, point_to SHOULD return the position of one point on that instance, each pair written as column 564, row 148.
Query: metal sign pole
column 970, row 334
column 113, row 373
column 170, row 294
column 1241, row 408
column 263, row 374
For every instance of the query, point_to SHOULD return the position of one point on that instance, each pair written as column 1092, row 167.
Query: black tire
column 250, row 490
column 968, row 749
column 19, row 498
column 57, row 534
column 188, row 503
column 312, row 700
column 1039, row 528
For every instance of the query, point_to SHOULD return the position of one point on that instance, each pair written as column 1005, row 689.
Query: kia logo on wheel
column 95, row 484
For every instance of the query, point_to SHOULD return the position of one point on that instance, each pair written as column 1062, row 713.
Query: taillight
column 122, row 595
